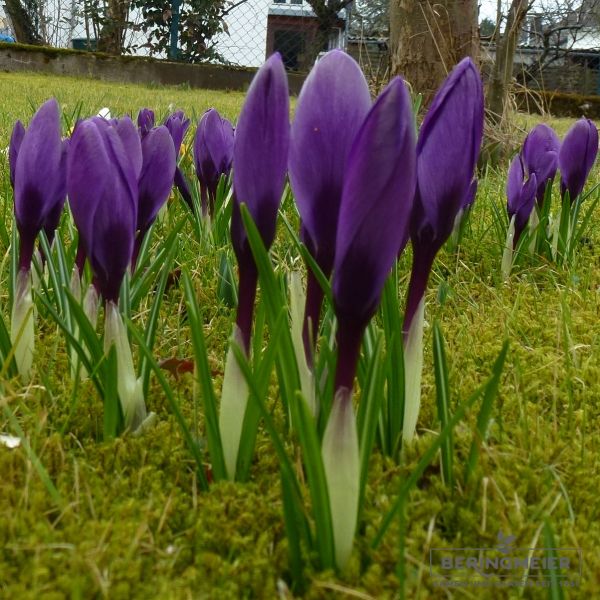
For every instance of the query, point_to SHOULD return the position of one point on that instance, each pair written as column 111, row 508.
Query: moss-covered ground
column 133, row 523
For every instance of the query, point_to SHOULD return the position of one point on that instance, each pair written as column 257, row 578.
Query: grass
column 132, row 523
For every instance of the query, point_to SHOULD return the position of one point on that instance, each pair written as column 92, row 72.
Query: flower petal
column 156, row 179
column 260, row 152
column 376, row 204
column 332, row 105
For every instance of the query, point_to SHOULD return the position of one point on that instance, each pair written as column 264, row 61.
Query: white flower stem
column 507, row 256
column 234, row 399
column 307, row 381
column 413, row 367
column 22, row 325
column 341, row 461
column 129, row 387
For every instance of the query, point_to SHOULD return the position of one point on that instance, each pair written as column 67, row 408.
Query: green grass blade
column 33, row 457
column 204, row 373
column 430, row 453
column 483, row 421
column 152, row 323
column 293, row 521
column 252, row 417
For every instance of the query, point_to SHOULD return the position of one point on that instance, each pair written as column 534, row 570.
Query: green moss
column 135, row 525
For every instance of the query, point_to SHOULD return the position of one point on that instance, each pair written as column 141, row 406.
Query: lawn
column 132, row 522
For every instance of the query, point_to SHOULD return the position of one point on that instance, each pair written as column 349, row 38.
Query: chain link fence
column 229, row 32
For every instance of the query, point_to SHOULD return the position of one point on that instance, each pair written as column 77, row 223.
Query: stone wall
column 128, row 69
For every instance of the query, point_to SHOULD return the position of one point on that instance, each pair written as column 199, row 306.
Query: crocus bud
column 38, row 178
column 577, row 156
column 332, row 106
column 156, row 179
column 102, row 181
column 521, row 195
column 540, row 156
column 103, row 190
column 260, row 160
column 178, row 125
column 447, row 153
column 260, row 154
column 213, row 155
column 377, row 200
column 145, row 121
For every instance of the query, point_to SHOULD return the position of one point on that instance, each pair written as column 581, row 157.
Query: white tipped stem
column 507, row 256
column 90, row 309
column 22, row 325
column 341, row 461
column 90, row 305
column 38, row 270
column 534, row 221
column 413, row 368
column 234, row 399
column 75, row 289
column 129, row 387
column 456, row 228
column 75, row 284
column 307, row 380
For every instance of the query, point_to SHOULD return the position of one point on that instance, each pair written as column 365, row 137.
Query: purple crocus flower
column 540, row 156
column 102, row 180
column 577, row 156
column 103, row 191
column 377, row 200
column 156, row 179
column 37, row 167
column 178, row 125
column 39, row 177
column 145, row 121
column 213, row 155
column 521, row 194
column 260, row 155
column 53, row 218
column 447, row 153
column 332, row 106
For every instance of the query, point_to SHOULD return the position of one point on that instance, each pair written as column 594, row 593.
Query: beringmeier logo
column 505, row 566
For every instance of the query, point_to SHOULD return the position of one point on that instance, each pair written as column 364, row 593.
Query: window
column 291, row 46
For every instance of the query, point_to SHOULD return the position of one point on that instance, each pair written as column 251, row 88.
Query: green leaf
column 112, row 407
column 442, row 389
column 555, row 591
column 369, row 411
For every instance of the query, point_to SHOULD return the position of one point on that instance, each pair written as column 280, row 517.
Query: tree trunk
column 502, row 71
column 113, row 30
column 22, row 26
column 427, row 40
